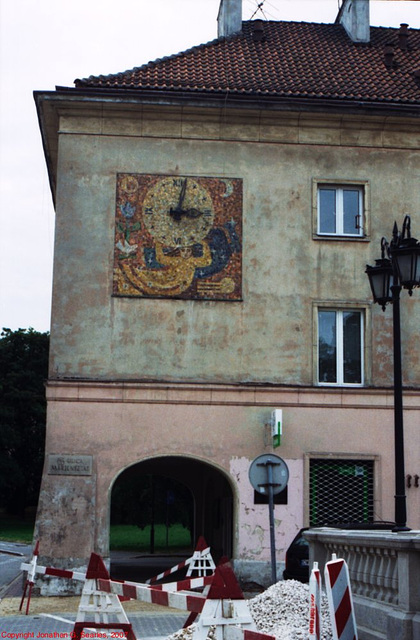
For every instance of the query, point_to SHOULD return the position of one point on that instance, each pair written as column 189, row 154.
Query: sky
column 49, row 43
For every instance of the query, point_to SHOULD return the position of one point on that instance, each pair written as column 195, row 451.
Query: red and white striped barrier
column 315, row 603
column 222, row 608
column 146, row 593
column 33, row 568
column 189, row 584
column 340, row 601
column 98, row 610
column 30, row 579
column 225, row 606
column 200, row 562
column 56, row 573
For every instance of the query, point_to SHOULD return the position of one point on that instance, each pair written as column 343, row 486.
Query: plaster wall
column 137, row 379
column 268, row 337
column 119, row 429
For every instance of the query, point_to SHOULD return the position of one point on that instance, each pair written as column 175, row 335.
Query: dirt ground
column 70, row 604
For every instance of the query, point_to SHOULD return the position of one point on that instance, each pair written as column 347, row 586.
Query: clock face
column 178, row 211
column 178, row 237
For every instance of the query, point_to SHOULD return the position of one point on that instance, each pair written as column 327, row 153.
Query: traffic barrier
column 105, row 609
column 315, row 603
column 30, row 579
column 148, row 593
column 340, row 601
column 200, row 562
column 223, row 606
column 33, row 568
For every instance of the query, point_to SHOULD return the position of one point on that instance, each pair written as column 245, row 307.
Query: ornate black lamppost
column 398, row 267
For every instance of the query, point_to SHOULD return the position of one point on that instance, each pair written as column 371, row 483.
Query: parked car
column 297, row 559
column 297, row 555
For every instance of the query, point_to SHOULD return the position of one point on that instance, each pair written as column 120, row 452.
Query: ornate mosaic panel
column 178, row 237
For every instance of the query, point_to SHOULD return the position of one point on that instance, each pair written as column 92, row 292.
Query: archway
column 176, row 489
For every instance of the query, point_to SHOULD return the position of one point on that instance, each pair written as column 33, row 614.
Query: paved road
column 12, row 554
column 145, row 625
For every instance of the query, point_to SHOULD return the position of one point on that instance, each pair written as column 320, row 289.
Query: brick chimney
column 354, row 16
column 229, row 19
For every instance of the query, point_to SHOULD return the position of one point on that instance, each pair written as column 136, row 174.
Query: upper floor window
column 340, row 210
column 340, row 346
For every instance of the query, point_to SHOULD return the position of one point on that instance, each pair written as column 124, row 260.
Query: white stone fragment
column 282, row 611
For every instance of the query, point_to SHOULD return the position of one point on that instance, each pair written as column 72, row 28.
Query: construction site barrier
column 315, row 603
column 340, row 601
column 201, row 562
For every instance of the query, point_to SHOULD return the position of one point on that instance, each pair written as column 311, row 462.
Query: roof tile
column 294, row 59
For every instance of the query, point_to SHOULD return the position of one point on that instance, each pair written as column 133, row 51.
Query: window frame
column 340, row 186
column 364, row 344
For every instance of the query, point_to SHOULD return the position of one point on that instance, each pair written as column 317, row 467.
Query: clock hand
column 178, row 211
column 193, row 213
column 182, row 195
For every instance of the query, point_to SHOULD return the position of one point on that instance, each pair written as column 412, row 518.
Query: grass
column 16, row 529
column 122, row 537
column 130, row 537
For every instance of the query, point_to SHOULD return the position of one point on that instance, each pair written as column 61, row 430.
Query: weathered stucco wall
column 269, row 335
column 225, row 427
column 217, row 369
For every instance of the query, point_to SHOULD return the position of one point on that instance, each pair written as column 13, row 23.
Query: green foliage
column 23, row 371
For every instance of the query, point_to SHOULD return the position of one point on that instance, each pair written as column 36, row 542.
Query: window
column 340, row 491
column 340, row 210
column 340, row 347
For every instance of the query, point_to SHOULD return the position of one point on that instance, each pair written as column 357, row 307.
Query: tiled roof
column 294, row 60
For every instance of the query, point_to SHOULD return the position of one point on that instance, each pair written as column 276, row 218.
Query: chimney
column 354, row 16
column 257, row 30
column 403, row 36
column 229, row 19
column 389, row 55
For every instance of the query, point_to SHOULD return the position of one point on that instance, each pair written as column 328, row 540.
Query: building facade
column 215, row 211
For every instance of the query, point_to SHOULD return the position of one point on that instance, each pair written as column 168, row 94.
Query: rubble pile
column 282, row 611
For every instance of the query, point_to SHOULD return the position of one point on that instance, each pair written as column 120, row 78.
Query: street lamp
column 398, row 267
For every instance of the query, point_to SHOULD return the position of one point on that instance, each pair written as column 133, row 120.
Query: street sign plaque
column 258, row 473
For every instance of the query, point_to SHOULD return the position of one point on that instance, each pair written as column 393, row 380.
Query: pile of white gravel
column 281, row 611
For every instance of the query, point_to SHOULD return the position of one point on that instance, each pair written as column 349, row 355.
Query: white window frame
column 340, row 311
column 339, row 186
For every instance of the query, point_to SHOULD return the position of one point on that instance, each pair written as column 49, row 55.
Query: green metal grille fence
column 340, row 491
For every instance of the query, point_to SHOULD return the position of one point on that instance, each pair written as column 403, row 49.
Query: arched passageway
column 175, row 489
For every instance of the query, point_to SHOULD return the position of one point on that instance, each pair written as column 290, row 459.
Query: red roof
column 293, row 60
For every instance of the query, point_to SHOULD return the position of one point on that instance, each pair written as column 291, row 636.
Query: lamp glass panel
column 380, row 284
column 405, row 266
column 407, row 259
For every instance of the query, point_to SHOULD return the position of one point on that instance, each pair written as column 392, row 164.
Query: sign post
column 269, row 475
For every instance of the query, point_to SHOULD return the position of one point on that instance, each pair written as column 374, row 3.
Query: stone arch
column 213, row 496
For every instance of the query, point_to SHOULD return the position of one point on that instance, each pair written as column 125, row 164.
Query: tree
column 23, row 371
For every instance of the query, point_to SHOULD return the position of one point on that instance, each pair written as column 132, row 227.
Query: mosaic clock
column 178, row 236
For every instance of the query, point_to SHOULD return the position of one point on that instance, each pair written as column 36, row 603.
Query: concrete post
column 354, row 16
column 229, row 19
